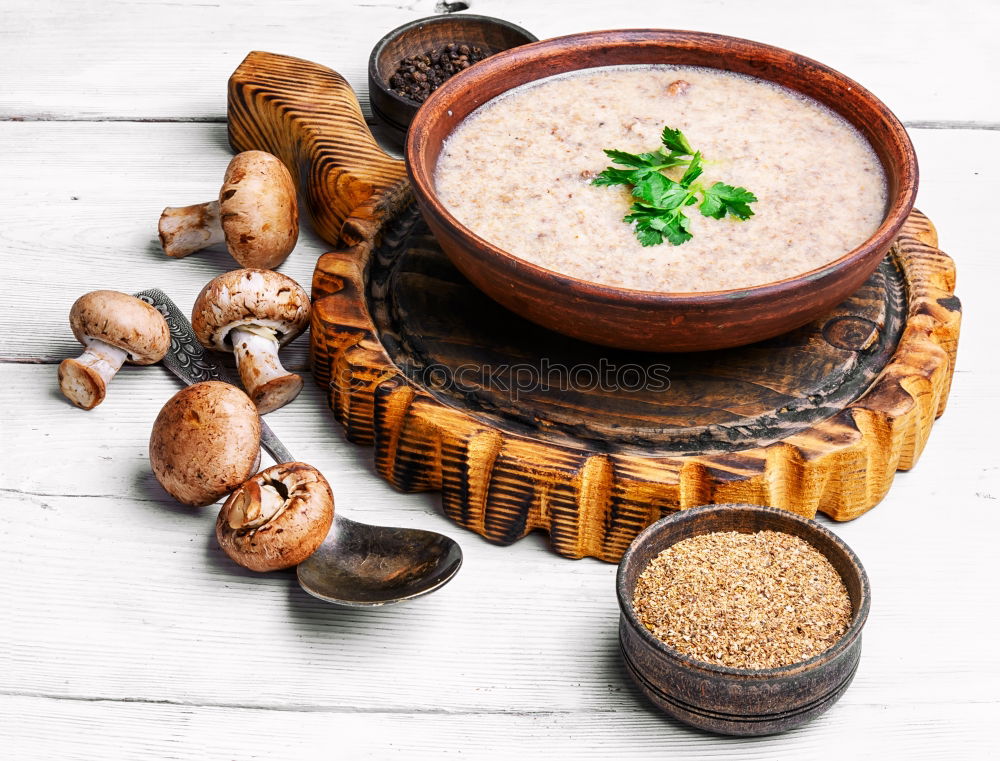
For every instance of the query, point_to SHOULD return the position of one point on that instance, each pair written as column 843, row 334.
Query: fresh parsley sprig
column 658, row 211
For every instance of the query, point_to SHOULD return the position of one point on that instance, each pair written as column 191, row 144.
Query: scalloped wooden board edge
column 503, row 485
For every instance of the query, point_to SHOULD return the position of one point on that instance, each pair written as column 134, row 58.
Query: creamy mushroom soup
column 518, row 171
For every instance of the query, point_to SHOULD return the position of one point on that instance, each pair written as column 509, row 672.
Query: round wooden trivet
column 523, row 429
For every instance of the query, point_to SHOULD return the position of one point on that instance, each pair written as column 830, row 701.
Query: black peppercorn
column 419, row 75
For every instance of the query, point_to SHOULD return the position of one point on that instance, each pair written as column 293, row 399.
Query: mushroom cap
column 121, row 320
column 266, row 532
column 258, row 210
column 249, row 297
column 205, row 442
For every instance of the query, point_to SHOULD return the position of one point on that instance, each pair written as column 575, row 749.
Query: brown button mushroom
column 205, row 442
column 113, row 327
column 256, row 215
column 251, row 313
column 276, row 519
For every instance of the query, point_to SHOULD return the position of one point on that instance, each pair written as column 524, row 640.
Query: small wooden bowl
column 649, row 320
column 491, row 34
column 739, row 701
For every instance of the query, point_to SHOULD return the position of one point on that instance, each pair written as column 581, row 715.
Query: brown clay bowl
column 391, row 108
column 728, row 700
column 647, row 320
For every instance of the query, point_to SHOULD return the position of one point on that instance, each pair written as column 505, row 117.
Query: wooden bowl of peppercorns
column 412, row 61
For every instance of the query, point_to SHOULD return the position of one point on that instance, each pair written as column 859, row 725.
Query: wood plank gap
column 49, row 359
column 42, row 360
column 949, row 124
column 123, row 119
column 391, row 711
column 221, row 119
column 305, row 707
column 125, row 497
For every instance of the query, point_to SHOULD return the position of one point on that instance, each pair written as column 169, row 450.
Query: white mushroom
column 251, row 313
column 113, row 327
column 276, row 519
column 256, row 214
column 205, row 442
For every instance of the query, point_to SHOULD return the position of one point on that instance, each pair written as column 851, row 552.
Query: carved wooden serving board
column 523, row 429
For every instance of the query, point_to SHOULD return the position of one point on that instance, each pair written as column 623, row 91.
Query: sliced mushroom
column 205, row 442
column 256, row 215
column 276, row 519
column 678, row 87
column 113, row 327
column 251, row 313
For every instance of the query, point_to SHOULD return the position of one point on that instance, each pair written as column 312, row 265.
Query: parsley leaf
column 720, row 199
column 633, row 159
column 674, row 140
column 647, row 235
column 615, row 176
column 653, row 224
column 658, row 211
column 659, row 190
column 694, row 170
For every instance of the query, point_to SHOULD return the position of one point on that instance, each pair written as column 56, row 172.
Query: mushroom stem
column 84, row 380
column 268, row 383
column 256, row 506
column 186, row 229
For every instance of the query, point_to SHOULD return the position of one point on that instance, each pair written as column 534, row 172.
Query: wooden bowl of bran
column 724, row 699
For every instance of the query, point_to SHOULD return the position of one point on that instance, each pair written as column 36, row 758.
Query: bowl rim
column 421, row 178
column 375, row 77
column 859, row 615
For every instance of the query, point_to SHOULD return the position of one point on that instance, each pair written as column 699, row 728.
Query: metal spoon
column 358, row 565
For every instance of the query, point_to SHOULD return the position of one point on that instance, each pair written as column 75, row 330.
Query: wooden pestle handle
column 308, row 116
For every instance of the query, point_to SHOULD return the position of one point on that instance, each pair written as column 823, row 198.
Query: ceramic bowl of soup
column 502, row 159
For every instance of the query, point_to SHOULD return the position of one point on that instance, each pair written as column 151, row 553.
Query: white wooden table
column 126, row 633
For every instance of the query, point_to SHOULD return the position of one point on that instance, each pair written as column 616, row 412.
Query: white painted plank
column 35, row 728
column 126, row 596
column 171, row 59
column 81, row 202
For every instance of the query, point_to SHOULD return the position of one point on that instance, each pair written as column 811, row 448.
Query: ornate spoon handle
column 189, row 361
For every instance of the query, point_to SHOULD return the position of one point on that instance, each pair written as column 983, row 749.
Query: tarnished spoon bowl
column 359, row 565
